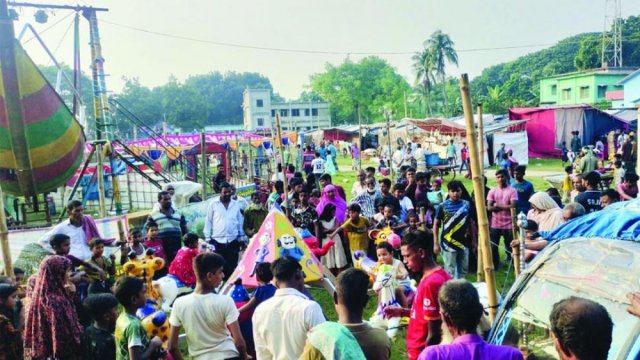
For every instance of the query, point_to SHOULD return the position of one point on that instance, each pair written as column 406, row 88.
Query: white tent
column 517, row 141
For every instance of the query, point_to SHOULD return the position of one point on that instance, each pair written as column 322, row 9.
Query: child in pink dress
column 182, row 265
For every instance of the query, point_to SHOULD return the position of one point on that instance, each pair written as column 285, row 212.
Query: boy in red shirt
column 424, row 322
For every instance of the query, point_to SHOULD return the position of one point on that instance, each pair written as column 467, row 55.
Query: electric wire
column 324, row 52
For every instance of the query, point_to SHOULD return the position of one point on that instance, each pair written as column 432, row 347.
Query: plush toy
column 288, row 247
column 380, row 235
column 394, row 240
column 145, row 269
column 385, row 286
column 154, row 321
column 170, row 288
column 312, row 243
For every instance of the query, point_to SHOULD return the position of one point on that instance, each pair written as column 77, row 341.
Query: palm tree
column 441, row 48
column 425, row 76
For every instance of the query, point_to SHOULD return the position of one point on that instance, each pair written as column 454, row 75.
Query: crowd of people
column 74, row 307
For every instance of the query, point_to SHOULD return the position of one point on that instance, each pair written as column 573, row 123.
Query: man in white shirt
column 397, row 158
column 76, row 227
column 210, row 320
column 223, row 228
column 280, row 324
column 419, row 155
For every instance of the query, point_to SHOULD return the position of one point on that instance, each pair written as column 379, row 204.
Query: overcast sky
column 313, row 33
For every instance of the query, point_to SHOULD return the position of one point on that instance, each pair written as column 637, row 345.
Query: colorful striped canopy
column 41, row 151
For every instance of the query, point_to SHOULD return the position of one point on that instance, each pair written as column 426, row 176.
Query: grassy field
column 504, row 277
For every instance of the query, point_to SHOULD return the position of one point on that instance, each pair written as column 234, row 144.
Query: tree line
column 362, row 90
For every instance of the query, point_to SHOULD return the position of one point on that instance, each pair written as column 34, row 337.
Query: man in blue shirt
column 524, row 189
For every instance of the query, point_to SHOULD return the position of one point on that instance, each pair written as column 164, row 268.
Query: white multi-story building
column 260, row 113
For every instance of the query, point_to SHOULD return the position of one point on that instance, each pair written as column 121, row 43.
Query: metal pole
column 4, row 239
column 100, row 174
column 359, row 140
column 388, row 117
column 478, row 189
column 284, row 175
column 203, row 161
column 129, row 188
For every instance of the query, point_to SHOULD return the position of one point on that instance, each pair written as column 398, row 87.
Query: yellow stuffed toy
column 144, row 268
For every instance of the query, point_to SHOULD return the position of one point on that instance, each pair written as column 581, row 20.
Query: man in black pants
column 223, row 228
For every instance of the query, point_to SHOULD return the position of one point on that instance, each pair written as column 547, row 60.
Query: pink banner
column 194, row 139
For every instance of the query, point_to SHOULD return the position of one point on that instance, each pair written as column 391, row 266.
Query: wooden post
column 4, row 239
column 123, row 236
column 203, row 160
column 514, row 223
column 100, row 176
column 478, row 189
column 284, row 175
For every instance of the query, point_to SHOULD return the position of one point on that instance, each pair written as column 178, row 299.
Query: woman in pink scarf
column 329, row 196
column 52, row 329
column 545, row 211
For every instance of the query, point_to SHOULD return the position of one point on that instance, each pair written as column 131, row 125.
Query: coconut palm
column 440, row 47
column 425, row 76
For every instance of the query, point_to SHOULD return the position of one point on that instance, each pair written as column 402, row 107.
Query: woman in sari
column 52, row 329
column 545, row 211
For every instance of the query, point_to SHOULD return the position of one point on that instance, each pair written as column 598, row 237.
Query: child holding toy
column 132, row 341
column 326, row 229
column 384, row 253
column 182, row 265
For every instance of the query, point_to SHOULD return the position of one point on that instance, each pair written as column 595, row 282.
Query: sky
column 289, row 40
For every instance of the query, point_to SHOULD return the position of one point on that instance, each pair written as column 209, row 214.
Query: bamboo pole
column 4, row 239
column 481, row 138
column 479, row 271
column 203, row 160
column 284, row 175
column 478, row 189
column 518, row 250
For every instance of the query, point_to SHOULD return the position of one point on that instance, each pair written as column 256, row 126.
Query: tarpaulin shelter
column 443, row 126
column 210, row 148
column 595, row 257
column 548, row 127
column 276, row 238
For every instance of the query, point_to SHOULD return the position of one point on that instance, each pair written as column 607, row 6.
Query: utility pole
column 612, row 35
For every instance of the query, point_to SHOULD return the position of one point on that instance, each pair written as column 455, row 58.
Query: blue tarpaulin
column 619, row 221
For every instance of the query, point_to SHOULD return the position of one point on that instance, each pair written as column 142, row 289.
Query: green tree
column 369, row 85
column 440, row 46
column 424, row 69
column 589, row 54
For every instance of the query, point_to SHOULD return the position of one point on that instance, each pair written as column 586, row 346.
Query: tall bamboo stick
column 478, row 189
column 479, row 269
column 284, row 175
